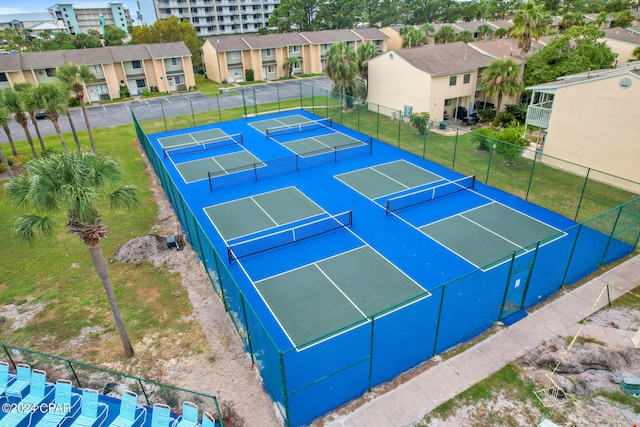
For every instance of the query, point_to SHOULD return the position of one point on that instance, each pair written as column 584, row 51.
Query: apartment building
column 33, row 23
column 228, row 58
column 218, row 17
column 166, row 67
column 82, row 17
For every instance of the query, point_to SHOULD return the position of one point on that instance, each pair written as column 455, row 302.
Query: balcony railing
column 539, row 116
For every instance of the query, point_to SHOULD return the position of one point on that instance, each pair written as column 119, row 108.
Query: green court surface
column 242, row 217
column 321, row 144
column 320, row 298
column 197, row 170
column 191, row 138
column 387, row 178
column 263, row 125
column 489, row 233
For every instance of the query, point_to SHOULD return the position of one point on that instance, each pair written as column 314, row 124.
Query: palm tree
column 428, row 29
column 445, row 34
column 529, row 24
column 501, row 78
column 14, row 102
column 365, row 52
column 289, row 64
column 501, row 33
column 31, row 104
column 414, row 37
column 4, row 122
column 76, row 183
column 485, row 31
column 341, row 66
column 465, row 36
column 74, row 78
column 53, row 99
column 4, row 117
column 636, row 52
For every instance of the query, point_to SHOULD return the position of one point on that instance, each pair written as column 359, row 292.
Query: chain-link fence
column 312, row 379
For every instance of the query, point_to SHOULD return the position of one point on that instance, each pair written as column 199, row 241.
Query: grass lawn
column 54, row 287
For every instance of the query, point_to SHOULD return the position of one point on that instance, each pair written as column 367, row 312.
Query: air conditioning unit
column 408, row 109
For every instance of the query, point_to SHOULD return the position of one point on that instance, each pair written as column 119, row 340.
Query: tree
column 465, row 36
column 510, row 144
column 576, row 51
column 636, row 52
column 337, row 14
column 485, row 31
column 446, row 34
column 571, row 19
column 428, row 29
column 529, row 24
column 75, row 183
column 170, row 30
column 31, row 104
column 501, row 33
column 420, row 121
column 14, row 101
column 483, row 138
column 500, row 78
column 623, row 19
column 365, row 52
column 4, row 118
column 113, row 36
column 289, row 64
column 82, row 41
column 53, row 99
column 4, row 122
column 74, row 78
column 357, row 89
column 413, row 37
column 341, row 66
column 294, row 15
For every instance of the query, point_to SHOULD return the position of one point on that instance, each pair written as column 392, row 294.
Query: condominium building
column 33, row 23
column 81, row 17
column 219, row 17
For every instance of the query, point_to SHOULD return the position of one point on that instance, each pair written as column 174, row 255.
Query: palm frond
column 124, row 198
column 28, row 227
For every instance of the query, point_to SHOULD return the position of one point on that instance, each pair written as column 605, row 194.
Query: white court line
column 265, row 212
column 341, row 291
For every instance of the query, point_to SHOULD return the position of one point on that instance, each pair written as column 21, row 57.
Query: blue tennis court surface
column 355, row 261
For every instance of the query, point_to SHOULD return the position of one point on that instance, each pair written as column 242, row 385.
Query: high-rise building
column 218, row 17
column 81, row 17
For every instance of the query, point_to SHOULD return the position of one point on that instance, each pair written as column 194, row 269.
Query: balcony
column 539, row 114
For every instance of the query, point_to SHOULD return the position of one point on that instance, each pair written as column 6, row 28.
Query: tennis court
column 344, row 269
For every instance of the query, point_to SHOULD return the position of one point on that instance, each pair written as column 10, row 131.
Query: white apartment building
column 83, row 16
column 217, row 17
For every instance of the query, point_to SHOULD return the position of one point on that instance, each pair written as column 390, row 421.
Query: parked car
column 41, row 114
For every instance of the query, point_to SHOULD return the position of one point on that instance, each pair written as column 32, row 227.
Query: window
column 51, row 72
column 140, row 83
column 447, row 102
column 136, row 64
column 175, row 61
column 466, row 79
column 268, row 52
column 3, row 78
column 196, row 20
column 96, row 69
column 453, row 80
column 235, row 55
column 294, row 49
column 271, row 69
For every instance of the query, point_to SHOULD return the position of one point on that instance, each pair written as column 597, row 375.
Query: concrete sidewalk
column 410, row 402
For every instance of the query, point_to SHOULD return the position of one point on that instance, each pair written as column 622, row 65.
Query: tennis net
column 290, row 235
column 428, row 194
column 299, row 128
column 206, row 145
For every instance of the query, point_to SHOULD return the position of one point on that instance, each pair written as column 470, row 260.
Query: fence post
column 455, row 151
column 584, row 188
column 285, row 395
column 246, row 325
column 399, row 128
column 255, row 102
column 486, row 178
column 371, row 354
column 300, row 95
column 506, row 288
column 163, row 116
column 533, row 265
column 144, row 392
column 73, row 371
column 244, row 103
column 378, row 123
column 9, row 356
column 533, row 167
column 193, row 116
column 219, row 112
column 424, row 145
column 435, row 338
column 278, row 96
column 573, row 249
column 615, row 224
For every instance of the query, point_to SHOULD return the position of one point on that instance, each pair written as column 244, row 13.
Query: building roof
column 444, row 58
column 271, row 41
column 227, row 44
column 330, row 36
column 591, row 17
column 628, row 68
column 504, row 48
column 369, row 34
column 470, row 25
column 500, row 23
column 28, row 17
column 94, row 56
column 622, row 34
column 91, row 5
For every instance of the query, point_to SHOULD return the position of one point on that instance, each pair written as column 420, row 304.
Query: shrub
column 419, row 121
column 248, row 75
column 511, row 144
column 73, row 102
column 145, row 93
column 503, row 120
column 124, row 92
column 519, row 111
column 483, row 138
column 486, row 114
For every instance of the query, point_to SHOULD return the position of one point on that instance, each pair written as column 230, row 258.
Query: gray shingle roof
column 330, row 36
column 40, row 60
column 444, row 58
column 504, row 48
column 28, row 17
column 271, row 41
column 168, row 50
column 228, row 44
column 9, row 63
column 129, row 52
column 369, row 34
column 622, row 34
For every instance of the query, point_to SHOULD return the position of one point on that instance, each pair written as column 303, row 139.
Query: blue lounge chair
column 39, row 393
column 5, row 380
column 208, row 420
column 161, row 416
column 90, row 413
column 65, row 405
column 189, row 416
column 21, row 383
column 129, row 414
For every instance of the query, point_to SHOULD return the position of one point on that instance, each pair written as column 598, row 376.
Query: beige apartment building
column 436, row 79
column 591, row 119
column 228, row 58
column 166, row 67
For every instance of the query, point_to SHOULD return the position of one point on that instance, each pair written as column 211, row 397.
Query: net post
column 166, row 153
column 255, row 171
column 473, row 181
column 229, row 254
column 386, row 207
column 335, row 154
column 241, row 138
column 330, row 122
column 297, row 156
column 350, row 218
column 370, row 145
column 210, row 183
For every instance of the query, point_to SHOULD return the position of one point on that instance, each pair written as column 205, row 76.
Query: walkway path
column 410, row 402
